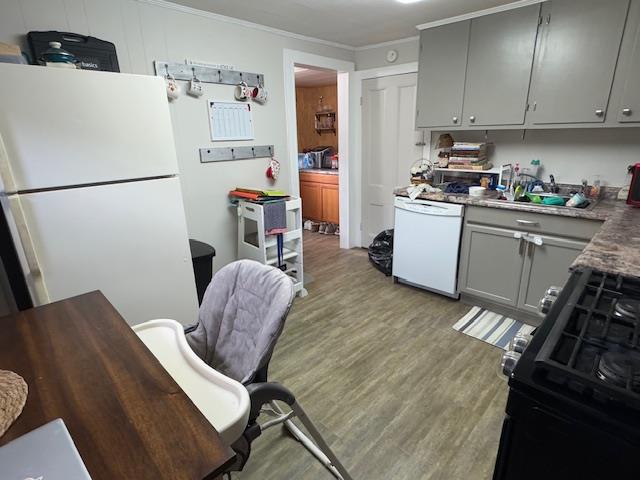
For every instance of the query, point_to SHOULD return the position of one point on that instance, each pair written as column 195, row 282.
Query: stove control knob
column 545, row 304
column 509, row 361
column 553, row 291
column 519, row 342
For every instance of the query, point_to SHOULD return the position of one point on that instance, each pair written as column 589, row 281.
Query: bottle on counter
column 595, row 190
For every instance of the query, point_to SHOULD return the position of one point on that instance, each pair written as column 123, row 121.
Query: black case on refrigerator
column 92, row 53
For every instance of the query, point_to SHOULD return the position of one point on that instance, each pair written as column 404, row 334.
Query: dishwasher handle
column 430, row 209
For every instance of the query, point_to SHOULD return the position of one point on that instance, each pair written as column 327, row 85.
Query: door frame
column 356, row 132
column 346, row 144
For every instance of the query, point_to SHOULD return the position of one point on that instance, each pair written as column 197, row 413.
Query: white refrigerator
column 90, row 190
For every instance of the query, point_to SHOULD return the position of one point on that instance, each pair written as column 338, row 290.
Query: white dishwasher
column 426, row 243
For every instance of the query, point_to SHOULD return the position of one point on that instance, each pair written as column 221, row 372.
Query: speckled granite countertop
column 599, row 211
column 614, row 249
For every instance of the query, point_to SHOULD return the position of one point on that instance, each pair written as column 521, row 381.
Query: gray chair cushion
column 241, row 317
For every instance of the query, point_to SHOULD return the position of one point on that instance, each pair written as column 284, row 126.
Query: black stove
column 574, row 400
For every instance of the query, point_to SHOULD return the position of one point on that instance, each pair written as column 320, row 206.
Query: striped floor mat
column 490, row 327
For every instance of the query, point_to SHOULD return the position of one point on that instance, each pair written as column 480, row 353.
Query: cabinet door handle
column 599, row 112
column 472, row 118
column 627, row 112
column 455, row 119
column 528, row 222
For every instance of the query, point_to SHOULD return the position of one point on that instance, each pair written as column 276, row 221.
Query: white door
column 388, row 147
column 65, row 127
column 128, row 240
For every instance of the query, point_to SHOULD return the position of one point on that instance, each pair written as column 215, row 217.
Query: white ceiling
column 308, row 77
column 353, row 22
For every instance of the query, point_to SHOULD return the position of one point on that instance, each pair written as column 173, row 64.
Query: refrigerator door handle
column 7, row 182
column 25, row 238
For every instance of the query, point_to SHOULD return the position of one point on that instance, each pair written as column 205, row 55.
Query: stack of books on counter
column 257, row 195
column 469, row 156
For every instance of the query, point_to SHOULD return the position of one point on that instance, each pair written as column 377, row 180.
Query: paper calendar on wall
column 230, row 121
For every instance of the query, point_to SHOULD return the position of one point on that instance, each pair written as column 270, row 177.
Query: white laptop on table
column 46, row 453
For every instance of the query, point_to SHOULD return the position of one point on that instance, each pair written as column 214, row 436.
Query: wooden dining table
column 128, row 418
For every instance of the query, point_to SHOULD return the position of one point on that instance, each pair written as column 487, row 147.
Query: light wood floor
column 397, row 392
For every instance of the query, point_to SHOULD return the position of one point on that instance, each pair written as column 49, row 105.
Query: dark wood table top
column 126, row 415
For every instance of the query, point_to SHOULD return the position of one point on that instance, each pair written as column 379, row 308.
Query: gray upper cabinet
column 501, row 48
column 546, row 265
column 628, row 72
column 576, row 55
column 441, row 75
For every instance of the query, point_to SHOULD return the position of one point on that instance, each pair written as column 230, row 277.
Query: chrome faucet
column 552, row 185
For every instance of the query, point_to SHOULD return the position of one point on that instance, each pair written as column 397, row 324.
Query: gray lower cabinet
column 510, row 258
column 576, row 55
column 491, row 262
column 501, row 50
column 546, row 265
column 441, row 74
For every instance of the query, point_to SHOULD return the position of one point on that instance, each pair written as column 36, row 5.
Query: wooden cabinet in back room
column 311, row 195
column 501, row 50
column 320, row 197
column 576, row 55
column 441, row 73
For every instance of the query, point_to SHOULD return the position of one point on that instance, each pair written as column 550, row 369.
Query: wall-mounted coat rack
column 223, row 154
column 183, row 71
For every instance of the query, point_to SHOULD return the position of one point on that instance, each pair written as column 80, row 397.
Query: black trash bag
column 381, row 252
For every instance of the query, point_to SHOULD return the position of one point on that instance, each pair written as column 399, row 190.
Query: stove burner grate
column 593, row 346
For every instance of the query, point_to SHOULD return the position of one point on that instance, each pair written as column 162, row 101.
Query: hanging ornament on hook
column 274, row 169
column 173, row 90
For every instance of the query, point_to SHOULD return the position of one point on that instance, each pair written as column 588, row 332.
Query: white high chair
column 222, row 362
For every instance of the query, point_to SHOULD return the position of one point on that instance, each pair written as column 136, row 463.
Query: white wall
column 367, row 58
column 570, row 155
column 144, row 31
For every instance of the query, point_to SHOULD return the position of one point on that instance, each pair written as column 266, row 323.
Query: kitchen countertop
column 326, row 171
column 615, row 249
column 599, row 211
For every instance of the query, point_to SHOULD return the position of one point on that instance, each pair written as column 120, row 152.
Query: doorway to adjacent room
column 318, row 149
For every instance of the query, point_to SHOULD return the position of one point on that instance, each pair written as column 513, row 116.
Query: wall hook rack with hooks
column 223, row 154
column 184, row 71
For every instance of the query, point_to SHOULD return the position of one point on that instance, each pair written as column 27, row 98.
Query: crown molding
column 244, row 23
column 479, row 13
column 413, row 38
